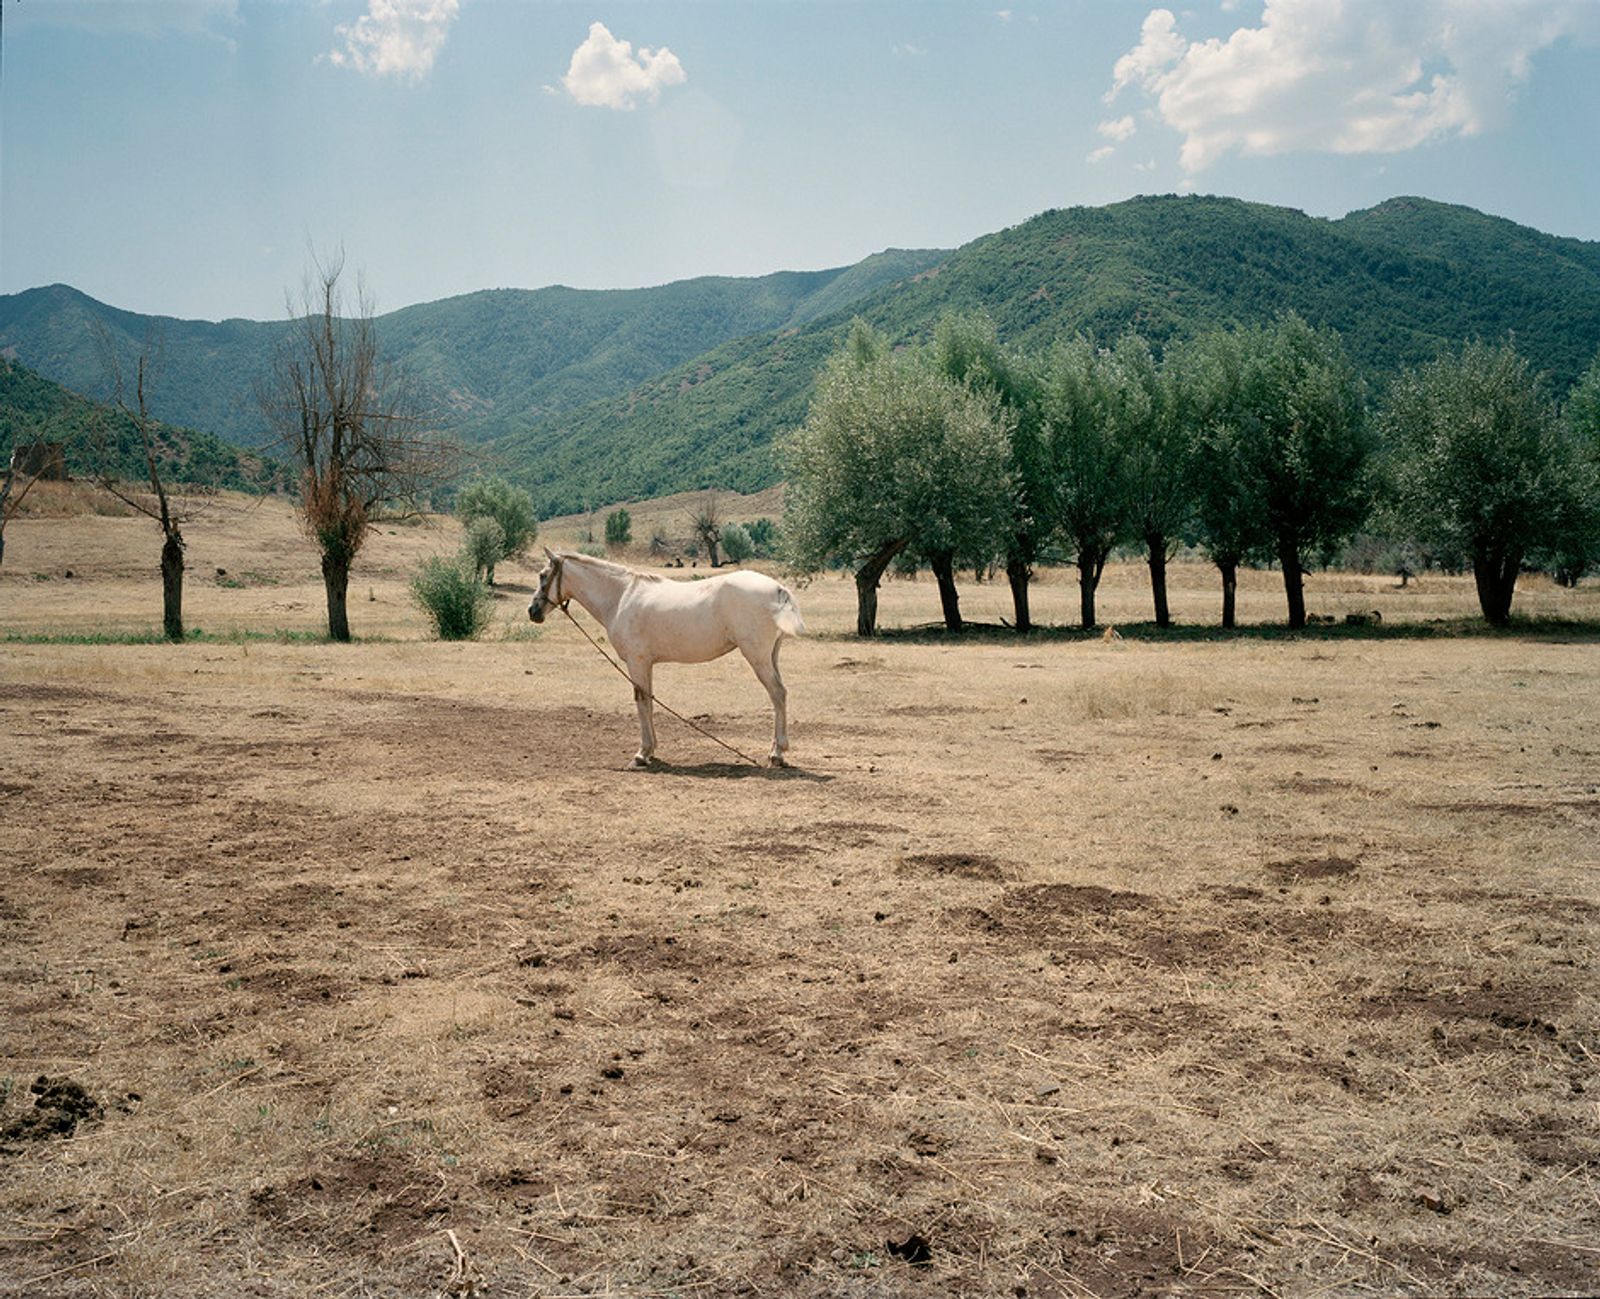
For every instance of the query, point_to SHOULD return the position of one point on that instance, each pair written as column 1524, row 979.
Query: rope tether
column 694, row 726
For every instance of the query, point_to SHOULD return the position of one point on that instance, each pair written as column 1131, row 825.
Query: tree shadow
column 733, row 771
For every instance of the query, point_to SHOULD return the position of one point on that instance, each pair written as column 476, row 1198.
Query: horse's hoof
column 777, row 760
column 639, row 763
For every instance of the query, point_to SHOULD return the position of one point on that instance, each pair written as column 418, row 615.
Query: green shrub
column 484, row 546
column 736, row 544
column 619, row 529
column 764, row 537
column 453, row 598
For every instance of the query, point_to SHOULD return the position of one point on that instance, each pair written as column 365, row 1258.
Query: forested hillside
column 1400, row 282
column 34, row 409
column 488, row 363
column 588, row 397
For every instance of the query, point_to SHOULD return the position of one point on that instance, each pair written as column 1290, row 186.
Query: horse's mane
column 609, row 566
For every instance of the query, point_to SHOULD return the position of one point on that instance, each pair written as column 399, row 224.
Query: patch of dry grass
column 1263, row 966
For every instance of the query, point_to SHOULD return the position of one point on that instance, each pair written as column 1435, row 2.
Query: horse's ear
column 550, row 554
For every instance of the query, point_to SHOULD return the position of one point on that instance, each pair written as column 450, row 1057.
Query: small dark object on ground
column 59, row 1105
column 915, row 1249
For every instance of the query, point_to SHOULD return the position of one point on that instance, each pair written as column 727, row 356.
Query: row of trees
column 1256, row 444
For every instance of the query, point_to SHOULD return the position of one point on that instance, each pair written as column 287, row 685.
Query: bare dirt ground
column 1054, row 967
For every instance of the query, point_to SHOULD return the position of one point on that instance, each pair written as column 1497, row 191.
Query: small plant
column 737, row 545
column 593, row 551
column 484, row 546
column 619, row 529
column 453, row 598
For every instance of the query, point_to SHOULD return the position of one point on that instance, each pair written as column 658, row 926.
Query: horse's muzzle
column 536, row 611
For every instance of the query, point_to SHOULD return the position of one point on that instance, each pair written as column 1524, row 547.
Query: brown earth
column 1051, row 968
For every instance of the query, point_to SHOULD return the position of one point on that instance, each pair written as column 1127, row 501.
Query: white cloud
column 1102, row 153
column 1343, row 76
column 1118, row 129
column 1159, row 47
column 908, row 50
column 396, row 38
column 605, row 72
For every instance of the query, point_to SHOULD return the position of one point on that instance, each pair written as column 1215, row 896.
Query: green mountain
column 590, row 397
column 490, row 363
column 1401, row 282
column 96, row 436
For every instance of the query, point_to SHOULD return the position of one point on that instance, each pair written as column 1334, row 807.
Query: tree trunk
column 336, row 581
column 1158, row 576
column 172, row 586
column 1230, row 588
column 1496, row 578
column 944, row 570
column 1091, row 563
column 1019, row 574
column 867, row 578
column 1294, row 582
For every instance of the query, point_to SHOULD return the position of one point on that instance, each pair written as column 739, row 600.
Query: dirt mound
column 962, row 865
column 1296, row 869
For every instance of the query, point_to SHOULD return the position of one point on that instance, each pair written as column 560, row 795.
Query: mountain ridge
column 590, row 396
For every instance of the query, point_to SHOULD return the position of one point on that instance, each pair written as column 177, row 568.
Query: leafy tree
column 893, row 455
column 1302, row 445
column 345, row 421
column 763, row 536
column 510, row 507
column 968, row 350
column 1484, row 465
column 736, row 543
column 483, row 546
column 1232, row 528
column 1576, row 549
column 1153, row 428
column 619, row 529
column 1088, row 462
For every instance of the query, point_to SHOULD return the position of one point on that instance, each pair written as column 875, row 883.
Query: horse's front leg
column 642, row 673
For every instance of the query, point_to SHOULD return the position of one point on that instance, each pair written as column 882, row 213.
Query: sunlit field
column 1073, row 964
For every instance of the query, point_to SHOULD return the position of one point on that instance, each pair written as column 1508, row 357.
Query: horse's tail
column 787, row 614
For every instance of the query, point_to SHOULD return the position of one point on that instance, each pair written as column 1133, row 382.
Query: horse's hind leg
column 641, row 675
column 765, row 666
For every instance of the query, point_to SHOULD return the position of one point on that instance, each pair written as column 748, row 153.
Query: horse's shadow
column 732, row 771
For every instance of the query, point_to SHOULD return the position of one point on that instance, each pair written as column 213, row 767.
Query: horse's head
column 549, row 592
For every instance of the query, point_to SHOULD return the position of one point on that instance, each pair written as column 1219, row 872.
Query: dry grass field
column 1055, row 967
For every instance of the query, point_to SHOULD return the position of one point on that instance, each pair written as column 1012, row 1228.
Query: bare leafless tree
column 160, row 503
column 9, row 507
column 706, row 519
column 346, row 421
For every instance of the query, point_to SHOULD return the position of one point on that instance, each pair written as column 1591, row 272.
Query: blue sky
column 181, row 156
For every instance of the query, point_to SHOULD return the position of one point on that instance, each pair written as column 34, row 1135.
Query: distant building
column 47, row 460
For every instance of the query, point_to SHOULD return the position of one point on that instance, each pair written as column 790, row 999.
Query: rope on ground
column 667, row 708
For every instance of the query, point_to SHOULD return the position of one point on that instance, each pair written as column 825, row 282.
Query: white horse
column 651, row 620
